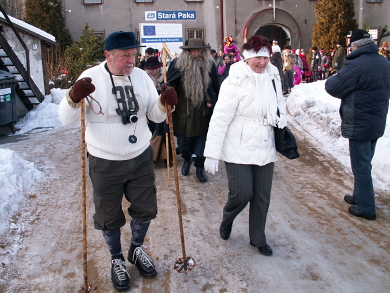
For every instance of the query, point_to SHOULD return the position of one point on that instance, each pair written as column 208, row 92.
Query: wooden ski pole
column 83, row 195
column 166, row 134
column 184, row 264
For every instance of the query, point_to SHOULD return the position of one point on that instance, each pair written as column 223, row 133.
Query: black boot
column 200, row 173
column 265, row 250
column 119, row 275
column 225, row 232
column 138, row 257
column 185, row 169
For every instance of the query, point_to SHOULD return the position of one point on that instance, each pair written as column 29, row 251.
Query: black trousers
column 111, row 180
column 192, row 145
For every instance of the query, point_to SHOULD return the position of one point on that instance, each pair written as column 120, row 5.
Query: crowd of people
column 294, row 67
column 225, row 107
column 293, row 64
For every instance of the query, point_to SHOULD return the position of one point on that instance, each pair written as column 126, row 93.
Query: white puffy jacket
column 236, row 134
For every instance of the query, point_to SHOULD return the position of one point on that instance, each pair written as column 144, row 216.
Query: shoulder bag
column 285, row 142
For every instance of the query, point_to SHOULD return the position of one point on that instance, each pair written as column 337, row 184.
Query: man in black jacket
column 276, row 59
column 315, row 62
column 363, row 85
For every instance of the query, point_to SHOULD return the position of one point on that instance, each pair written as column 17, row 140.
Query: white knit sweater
column 106, row 136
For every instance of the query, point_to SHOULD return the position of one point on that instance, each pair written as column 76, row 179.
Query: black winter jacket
column 363, row 85
column 276, row 60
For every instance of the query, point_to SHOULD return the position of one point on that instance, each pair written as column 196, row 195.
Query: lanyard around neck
column 125, row 101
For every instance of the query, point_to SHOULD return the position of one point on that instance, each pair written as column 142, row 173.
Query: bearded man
column 194, row 77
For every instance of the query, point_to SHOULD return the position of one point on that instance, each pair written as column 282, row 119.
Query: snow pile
column 44, row 116
column 314, row 108
column 317, row 113
column 17, row 176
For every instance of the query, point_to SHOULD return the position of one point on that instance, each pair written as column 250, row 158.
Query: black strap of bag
column 273, row 83
column 285, row 142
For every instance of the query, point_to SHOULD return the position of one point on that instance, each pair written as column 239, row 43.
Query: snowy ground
column 317, row 245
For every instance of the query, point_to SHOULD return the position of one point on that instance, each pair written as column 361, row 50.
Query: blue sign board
column 161, row 40
column 170, row 15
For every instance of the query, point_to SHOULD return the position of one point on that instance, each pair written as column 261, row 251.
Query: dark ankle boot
column 138, row 257
column 225, row 232
column 185, row 169
column 201, row 174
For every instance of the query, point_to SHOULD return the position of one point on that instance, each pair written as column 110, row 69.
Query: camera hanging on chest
column 127, row 104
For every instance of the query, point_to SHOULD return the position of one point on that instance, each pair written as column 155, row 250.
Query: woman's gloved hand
column 211, row 165
column 281, row 121
column 81, row 89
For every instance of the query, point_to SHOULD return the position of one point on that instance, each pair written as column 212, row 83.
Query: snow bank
column 17, row 176
column 44, row 116
column 317, row 113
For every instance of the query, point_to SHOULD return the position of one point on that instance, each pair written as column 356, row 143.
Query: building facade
column 288, row 21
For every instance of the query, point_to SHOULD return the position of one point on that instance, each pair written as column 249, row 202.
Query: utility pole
column 361, row 14
column 221, row 20
column 274, row 10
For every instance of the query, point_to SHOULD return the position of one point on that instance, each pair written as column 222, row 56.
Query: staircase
column 26, row 89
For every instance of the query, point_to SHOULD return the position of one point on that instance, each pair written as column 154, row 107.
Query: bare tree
column 14, row 8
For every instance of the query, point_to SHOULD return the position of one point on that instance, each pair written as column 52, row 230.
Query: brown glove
column 82, row 88
column 168, row 95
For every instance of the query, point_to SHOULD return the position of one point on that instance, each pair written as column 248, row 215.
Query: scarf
column 266, row 99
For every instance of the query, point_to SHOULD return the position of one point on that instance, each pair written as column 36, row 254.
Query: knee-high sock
column 138, row 231
column 113, row 240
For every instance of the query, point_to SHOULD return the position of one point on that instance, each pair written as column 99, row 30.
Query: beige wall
column 295, row 16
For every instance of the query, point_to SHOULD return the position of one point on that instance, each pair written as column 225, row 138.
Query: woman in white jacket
column 241, row 134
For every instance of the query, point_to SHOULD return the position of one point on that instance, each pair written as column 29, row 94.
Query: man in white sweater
column 120, row 99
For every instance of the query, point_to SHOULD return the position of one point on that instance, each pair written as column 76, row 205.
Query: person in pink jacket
column 297, row 75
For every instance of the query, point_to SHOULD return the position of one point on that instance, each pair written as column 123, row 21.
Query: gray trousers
column 249, row 183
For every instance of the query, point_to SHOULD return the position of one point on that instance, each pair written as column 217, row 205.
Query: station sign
column 170, row 15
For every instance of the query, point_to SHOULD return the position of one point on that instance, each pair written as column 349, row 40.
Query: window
column 374, row 32
column 194, row 0
column 92, row 1
column 373, row 1
column 100, row 34
column 143, row 1
column 195, row 33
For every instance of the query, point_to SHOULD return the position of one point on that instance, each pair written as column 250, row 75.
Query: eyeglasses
column 91, row 106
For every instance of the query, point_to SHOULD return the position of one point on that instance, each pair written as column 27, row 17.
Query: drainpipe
column 274, row 11
column 221, row 20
